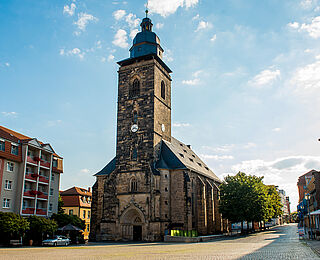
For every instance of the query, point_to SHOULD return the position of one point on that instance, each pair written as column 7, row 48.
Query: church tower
column 144, row 102
column 155, row 182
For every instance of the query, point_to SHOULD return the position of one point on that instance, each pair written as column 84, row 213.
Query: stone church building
column 155, row 182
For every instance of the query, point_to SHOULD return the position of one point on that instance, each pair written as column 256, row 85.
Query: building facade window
column 6, row 203
column 14, row 149
column 8, row 185
column 2, row 145
column 52, row 177
column 135, row 117
column 51, row 192
column 135, row 89
column 163, row 90
column 134, row 155
column 84, row 214
column 70, row 211
column 133, row 185
column 50, row 207
column 55, row 163
column 88, row 214
column 10, row 166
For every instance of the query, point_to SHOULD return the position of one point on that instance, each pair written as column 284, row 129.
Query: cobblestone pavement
column 278, row 243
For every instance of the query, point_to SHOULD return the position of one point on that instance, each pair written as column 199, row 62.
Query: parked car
column 56, row 241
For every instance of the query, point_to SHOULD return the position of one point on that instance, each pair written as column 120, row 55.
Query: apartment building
column 29, row 175
column 77, row 201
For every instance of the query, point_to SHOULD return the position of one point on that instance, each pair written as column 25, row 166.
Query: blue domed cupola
column 146, row 42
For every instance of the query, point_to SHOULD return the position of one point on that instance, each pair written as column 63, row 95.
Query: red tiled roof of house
column 21, row 136
column 76, row 191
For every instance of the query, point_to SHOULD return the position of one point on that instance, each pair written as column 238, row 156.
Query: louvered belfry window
column 135, row 89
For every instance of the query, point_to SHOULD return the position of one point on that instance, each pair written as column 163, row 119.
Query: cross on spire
column 147, row 11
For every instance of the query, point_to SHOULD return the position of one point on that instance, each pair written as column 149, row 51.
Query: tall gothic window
column 135, row 117
column 135, row 89
column 133, row 185
column 134, row 154
column 163, row 90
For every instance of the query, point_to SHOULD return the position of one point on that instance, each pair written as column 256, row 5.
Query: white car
column 57, row 241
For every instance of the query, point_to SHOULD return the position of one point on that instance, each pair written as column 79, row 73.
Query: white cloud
column 119, row 14
column 197, row 73
column 167, row 56
column 83, row 20
column 191, row 82
column 167, row 7
column 98, row 45
column 216, row 157
column 85, row 170
column 12, row 114
column 69, row 10
column 103, row 59
column 73, row 52
column 283, row 172
column 308, row 4
column 265, row 77
column 249, row 145
column 181, row 125
column 196, row 17
column 313, row 28
column 133, row 33
column 7, row 64
column 120, row 39
column 203, row 25
column 220, row 149
column 213, row 38
column 159, row 25
column 277, row 129
column 110, row 57
column 294, row 25
column 132, row 20
column 306, row 79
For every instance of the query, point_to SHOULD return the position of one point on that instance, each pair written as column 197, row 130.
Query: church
column 155, row 183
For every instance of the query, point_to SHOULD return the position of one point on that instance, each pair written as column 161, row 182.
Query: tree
column 243, row 198
column 274, row 205
column 12, row 226
column 40, row 228
column 64, row 219
column 60, row 205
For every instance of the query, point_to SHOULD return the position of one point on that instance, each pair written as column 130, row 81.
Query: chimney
column 89, row 189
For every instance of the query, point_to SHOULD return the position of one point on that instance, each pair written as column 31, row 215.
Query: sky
column 245, row 89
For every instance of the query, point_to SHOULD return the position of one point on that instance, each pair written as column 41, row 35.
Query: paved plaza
column 278, row 243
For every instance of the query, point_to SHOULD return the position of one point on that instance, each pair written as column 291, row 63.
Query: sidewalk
column 314, row 244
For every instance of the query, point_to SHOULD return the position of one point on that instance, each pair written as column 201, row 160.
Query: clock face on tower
column 134, row 128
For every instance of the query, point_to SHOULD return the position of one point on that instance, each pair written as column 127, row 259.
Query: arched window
column 135, row 88
column 163, row 90
column 135, row 117
column 133, row 185
column 134, row 154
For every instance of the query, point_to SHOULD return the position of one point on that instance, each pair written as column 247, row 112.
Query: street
column 278, row 243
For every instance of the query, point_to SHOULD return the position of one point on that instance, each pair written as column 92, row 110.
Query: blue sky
column 245, row 91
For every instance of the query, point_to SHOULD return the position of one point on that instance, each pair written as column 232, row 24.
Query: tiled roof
column 109, row 168
column 21, row 137
column 177, row 155
column 76, row 191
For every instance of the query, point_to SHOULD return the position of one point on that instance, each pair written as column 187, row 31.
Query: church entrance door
column 137, row 233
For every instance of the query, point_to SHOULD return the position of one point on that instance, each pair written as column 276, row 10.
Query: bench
column 15, row 242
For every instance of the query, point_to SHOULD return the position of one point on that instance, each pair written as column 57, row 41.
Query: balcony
column 30, row 193
column 28, row 211
column 31, row 176
column 44, row 179
column 42, row 195
column 32, row 160
column 41, row 212
column 45, row 164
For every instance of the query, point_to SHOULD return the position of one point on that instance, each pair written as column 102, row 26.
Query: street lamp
column 308, row 199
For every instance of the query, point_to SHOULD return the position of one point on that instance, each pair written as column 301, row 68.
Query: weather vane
column 147, row 11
